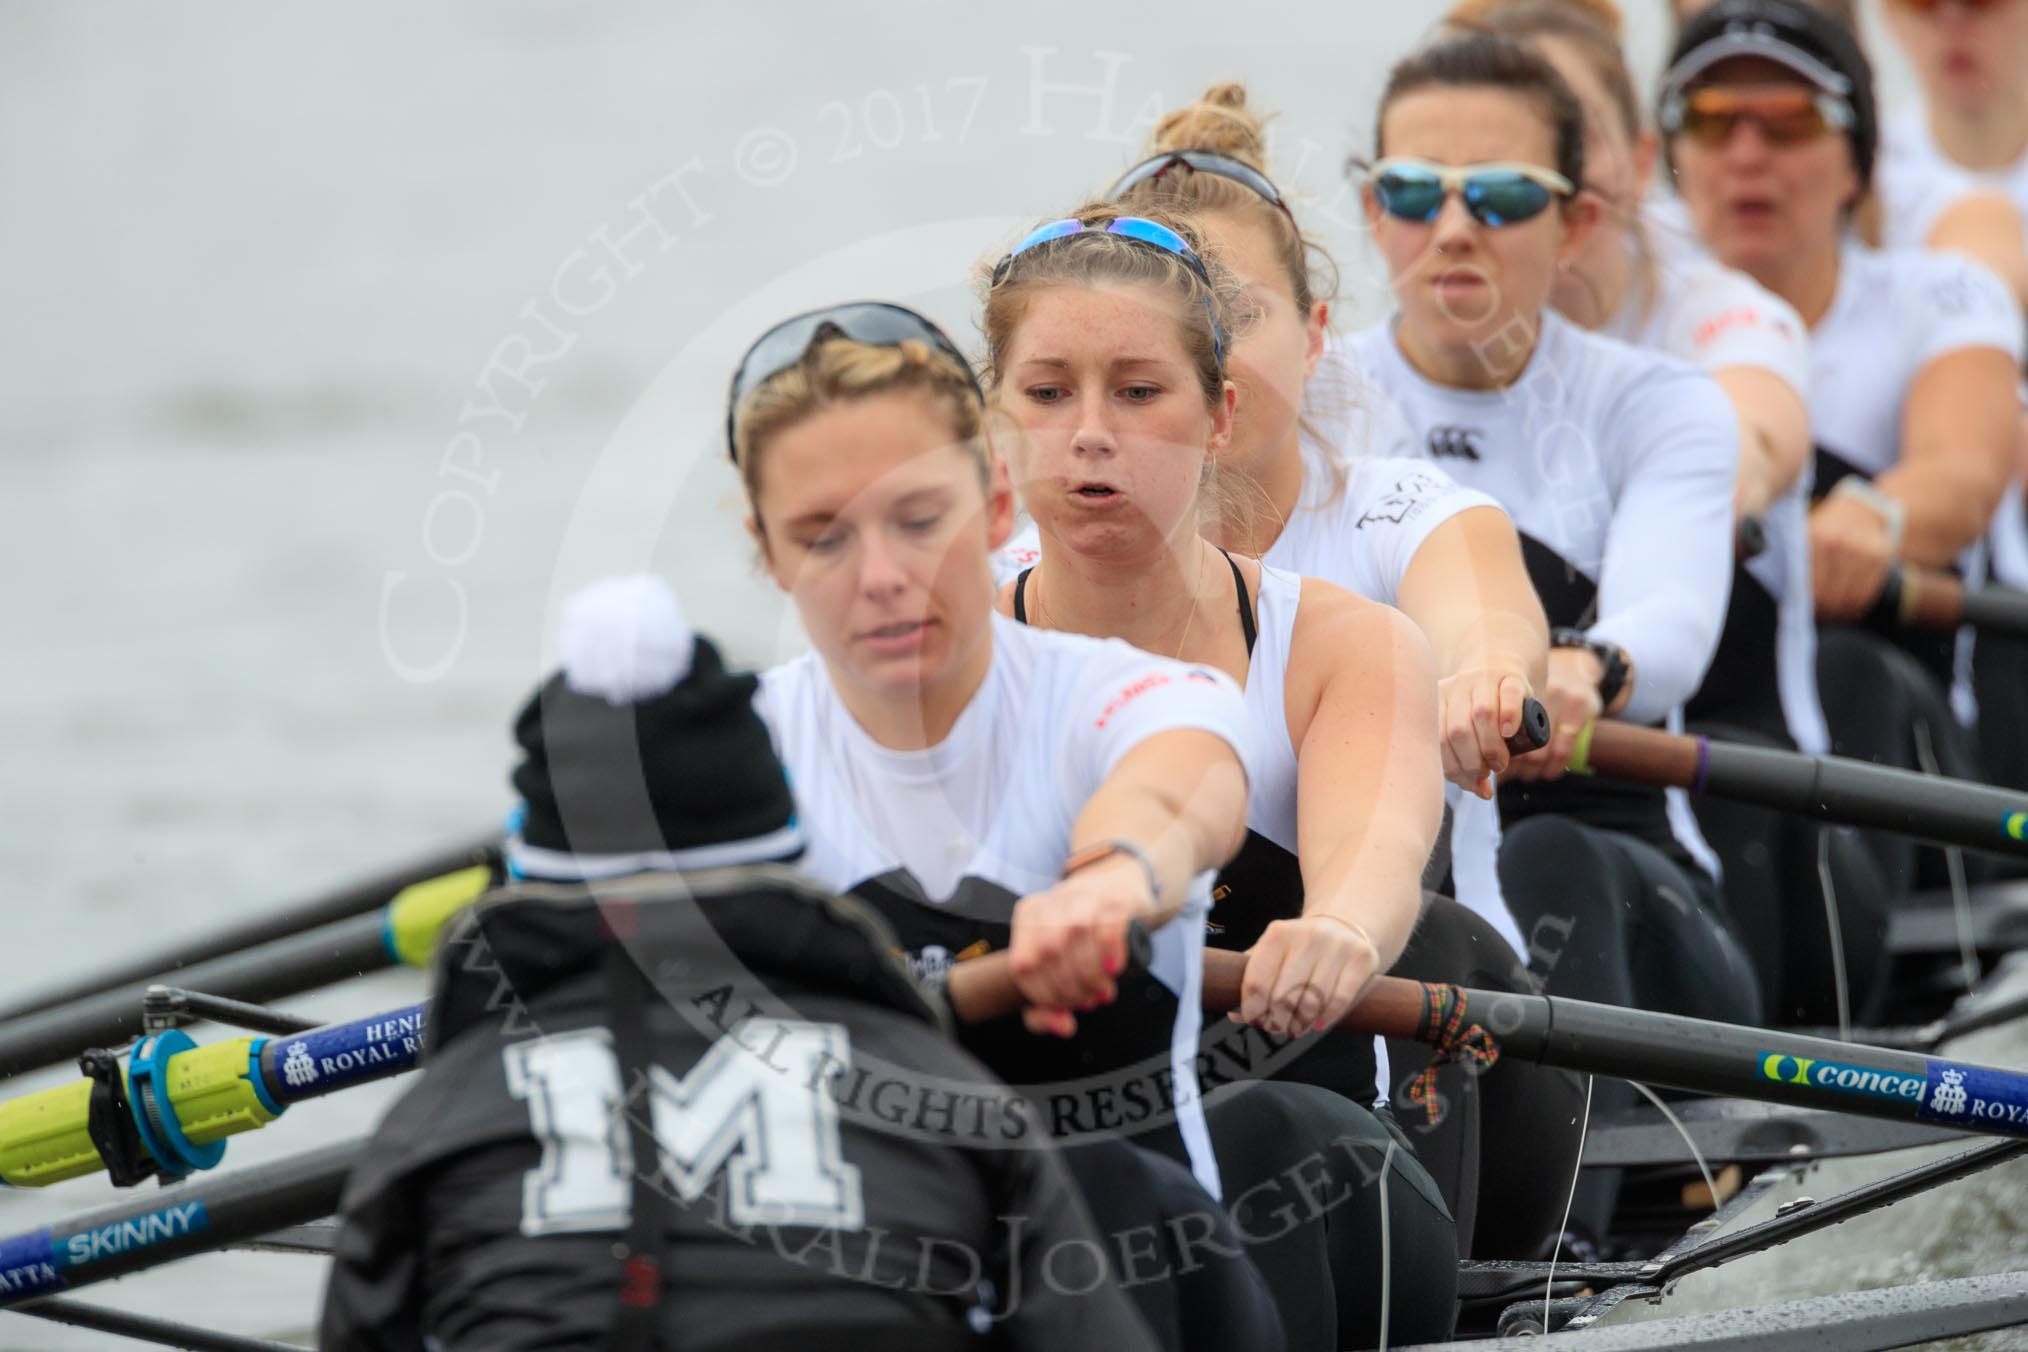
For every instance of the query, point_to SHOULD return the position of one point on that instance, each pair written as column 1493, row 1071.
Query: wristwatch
column 1893, row 513
column 1612, row 662
column 1106, row 849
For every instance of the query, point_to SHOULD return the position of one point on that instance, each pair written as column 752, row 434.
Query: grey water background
column 340, row 346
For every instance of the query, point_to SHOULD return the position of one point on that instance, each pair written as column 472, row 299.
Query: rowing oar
column 160, row 1225
column 170, row 1107
column 1929, row 598
column 1631, row 1044
column 403, row 931
column 368, row 894
column 1829, row 788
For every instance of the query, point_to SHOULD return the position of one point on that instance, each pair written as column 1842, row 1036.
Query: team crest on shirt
column 1406, row 499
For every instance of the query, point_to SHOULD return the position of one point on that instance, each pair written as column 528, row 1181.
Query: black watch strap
column 1612, row 662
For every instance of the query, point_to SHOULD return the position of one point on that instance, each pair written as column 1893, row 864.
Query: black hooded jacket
column 832, row 1168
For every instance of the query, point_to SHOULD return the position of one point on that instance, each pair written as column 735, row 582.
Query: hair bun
column 1220, row 121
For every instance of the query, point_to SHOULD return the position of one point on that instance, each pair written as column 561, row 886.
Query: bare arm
column 1469, row 593
column 1987, row 227
column 1960, row 428
column 1369, row 802
column 1774, row 434
column 1180, row 796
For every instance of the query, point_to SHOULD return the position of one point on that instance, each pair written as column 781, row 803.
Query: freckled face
column 877, row 525
column 1116, row 429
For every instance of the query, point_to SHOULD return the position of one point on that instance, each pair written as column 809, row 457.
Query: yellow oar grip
column 1580, row 750
column 213, row 1092
column 46, row 1138
column 417, row 915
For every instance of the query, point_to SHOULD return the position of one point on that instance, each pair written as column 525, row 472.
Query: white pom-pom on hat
column 624, row 639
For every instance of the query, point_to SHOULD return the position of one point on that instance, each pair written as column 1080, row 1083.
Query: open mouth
column 1097, row 492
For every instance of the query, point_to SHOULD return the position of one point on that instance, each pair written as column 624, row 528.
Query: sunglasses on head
column 874, row 323
column 1138, row 228
column 1494, row 194
column 1201, row 162
column 1785, row 114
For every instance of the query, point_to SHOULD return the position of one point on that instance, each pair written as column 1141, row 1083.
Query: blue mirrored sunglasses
column 1131, row 227
column 1494, row 194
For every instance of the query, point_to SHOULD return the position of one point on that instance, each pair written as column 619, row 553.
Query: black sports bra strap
column 1246, row 624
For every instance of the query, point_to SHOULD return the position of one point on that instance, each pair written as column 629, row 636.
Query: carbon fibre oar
column 1929, row 598
column 402, row 932
column 157, row 1226
column 369, row 894
column 1629, row 1044
column 1829, row 788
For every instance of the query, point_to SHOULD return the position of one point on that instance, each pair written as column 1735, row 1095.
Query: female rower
column 1762, row 683
column 1107, row 339
column 1600, row 452
column 984, row 785
column 1396, row 530
column 1972, row 63
column 1769, row 112
column 860, row 436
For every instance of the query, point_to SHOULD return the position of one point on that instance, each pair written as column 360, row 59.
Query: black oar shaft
column 1829, row 788
column 282, row 967
column 159, row 1225
column 366, row 895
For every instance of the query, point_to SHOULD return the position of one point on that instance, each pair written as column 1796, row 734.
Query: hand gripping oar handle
column 1929, row 598
column 1533, row 734
column 983, row 988
column 1829, row 788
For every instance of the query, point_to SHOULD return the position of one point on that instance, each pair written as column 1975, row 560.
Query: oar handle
column 983, row 988
column 1930, row 598
column 1533, row 734
column 1749, row 538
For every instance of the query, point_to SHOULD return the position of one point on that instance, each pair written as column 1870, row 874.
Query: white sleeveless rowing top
column 1617, row 466
column 1271, row 770
column 1715, row 318
column 945, row 840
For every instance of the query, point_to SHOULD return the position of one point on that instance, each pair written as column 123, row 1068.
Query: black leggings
column 1611, row 919
column 1775, row 896
column 1144, row 1204
column 1303, row 1171
column 1884, row 706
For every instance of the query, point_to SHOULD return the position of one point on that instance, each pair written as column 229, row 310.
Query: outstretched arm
column 1468, row 591
column 1369, row 802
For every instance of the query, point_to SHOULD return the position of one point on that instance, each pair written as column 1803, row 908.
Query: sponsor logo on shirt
column 1153, row 680
column 1459, row 443
column 1959, row 295
column 1738, row 317
column 1406, row 499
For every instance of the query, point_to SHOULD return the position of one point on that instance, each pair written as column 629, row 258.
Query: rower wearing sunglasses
column 1617, row 466
column 1762, row 684
column 1292, row 488
column 1108, row 338
column 1769, row 113
column 983, row 784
